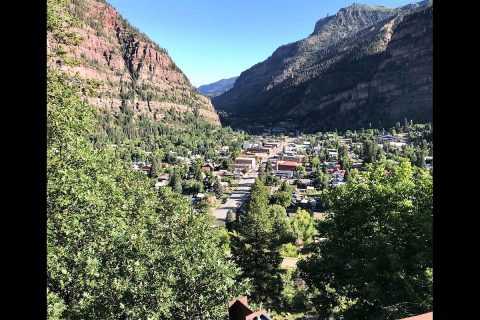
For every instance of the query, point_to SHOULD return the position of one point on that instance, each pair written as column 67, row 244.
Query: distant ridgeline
column 364, row 66
column 217, row 88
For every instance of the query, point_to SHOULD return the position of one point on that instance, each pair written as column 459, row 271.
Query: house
column 208, row 166
column 238, row 309
column 161, row 183
column 303, row 183
column 164, row 176
column 286, row 165
column 332, row 155
column 338, row 174
column 424, row 316
column 247, row 145
column 330, row 164
column 164, row 165
column 284, row 173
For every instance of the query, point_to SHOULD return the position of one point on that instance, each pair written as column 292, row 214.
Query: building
column 247, row 160
column 247, row 145
column 236, row 167
column 424, row 316
column 272, row 145
column 303, row 183
column 286, row 165
column 161, row 183
column 298, row 158
column 208, row 166
column 238, row 309
column 332, row 155
column 268, row 151
column 284, row 173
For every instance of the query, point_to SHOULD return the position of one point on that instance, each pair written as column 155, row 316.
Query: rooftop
column 425, row 316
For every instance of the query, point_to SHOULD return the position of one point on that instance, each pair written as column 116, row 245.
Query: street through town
column 237, row 197
column 243, row 189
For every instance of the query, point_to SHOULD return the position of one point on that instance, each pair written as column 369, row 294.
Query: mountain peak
column 355, row 15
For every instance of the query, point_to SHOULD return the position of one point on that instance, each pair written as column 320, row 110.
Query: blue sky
column 216, row 39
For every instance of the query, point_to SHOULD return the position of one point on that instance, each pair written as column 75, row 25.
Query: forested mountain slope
column 363, row 65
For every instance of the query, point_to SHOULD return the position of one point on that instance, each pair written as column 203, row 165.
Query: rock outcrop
column 132, row 69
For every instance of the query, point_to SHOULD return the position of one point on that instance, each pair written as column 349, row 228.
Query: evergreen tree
column 176, row 182
column 218, row 189
column 255, row 250
column 261, row 173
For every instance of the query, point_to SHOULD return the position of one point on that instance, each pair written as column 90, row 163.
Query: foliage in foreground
column 377, row 261
column 116, row 248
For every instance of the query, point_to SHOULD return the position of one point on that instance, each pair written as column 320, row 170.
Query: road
column 243, row 189
column 237, row 196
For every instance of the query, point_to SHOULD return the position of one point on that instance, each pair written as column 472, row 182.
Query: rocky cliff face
column 133, row 70
column 363, row 65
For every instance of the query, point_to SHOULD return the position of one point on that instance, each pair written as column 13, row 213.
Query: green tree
column 271, row 180
column 218, row 189
column 281, row 228
column 115, row 248
column 371, row 151
column 288, row 250
column 261, row 173
column 377, row 262
column 254, row 248
column 302, row 226
column 268, row 168
column 315, row 162
column 286, row 187
column 299, row 171
column 176, row 182
column 283, row 198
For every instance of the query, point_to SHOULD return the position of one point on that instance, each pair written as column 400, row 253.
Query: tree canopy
column 377, row 260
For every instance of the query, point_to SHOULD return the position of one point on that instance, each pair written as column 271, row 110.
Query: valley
column 305, row 184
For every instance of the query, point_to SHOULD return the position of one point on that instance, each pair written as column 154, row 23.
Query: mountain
column 218, row 87
column 364, row 65
column 134, row 71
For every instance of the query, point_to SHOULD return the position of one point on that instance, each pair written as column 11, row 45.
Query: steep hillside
column 363, row 65
column 217, row 87
column 134, row 71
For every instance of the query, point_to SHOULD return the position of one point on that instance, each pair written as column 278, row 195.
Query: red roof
column 288, row 163
column 425, row 316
